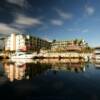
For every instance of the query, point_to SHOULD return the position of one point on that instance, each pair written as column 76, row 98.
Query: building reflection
column 54, row 61
column 20, row 70
column 63, row 64
column 72, row 67
column 15, row 71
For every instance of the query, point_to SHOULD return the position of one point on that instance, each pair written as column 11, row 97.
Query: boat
column 96, row 55
column 22, row 55
column 22, row 60
column 97, row 65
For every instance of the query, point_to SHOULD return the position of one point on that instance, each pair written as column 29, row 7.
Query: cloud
column 45, row 37
column 75, row 30
column 20, row 4
column 85, row 30
column 78, row 30
column 28, row 21
column 43, row 28
column 20, row 24
column 64, row 15
column 17, row 2
column 57, row 22
column 89, row 10
column 7, row 29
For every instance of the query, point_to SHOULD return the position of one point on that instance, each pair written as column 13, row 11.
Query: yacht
column 96, row 55
column 97, row 65
column 23, row 55
column 26, row 60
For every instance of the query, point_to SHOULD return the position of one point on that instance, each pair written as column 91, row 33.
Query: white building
column 16, row 42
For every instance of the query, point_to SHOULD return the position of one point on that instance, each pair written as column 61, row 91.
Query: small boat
column 22, row 60
column 97, row 65
column 96, row 55
column 23, row 55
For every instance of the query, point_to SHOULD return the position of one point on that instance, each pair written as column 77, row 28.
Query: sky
column 52, row 19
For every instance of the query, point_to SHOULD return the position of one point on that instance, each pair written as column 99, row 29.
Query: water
column 49, row 79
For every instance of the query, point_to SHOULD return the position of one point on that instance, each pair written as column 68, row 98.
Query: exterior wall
column 13, row 42
column 66, row 45
column 21, row 42
column 10, row 43
column 7, row 44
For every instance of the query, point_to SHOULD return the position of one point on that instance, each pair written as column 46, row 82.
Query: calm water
column 49, row 79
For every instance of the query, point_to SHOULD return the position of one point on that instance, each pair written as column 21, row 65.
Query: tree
column 76, row 41
column 80, row 42
column 54, row 41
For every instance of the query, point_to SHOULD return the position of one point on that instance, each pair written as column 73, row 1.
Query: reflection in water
column 63, row 64
column 54, row 61
column 52, row 78
column 20, row 70
column 23, row 71
column 76, row 67
column 97, row 65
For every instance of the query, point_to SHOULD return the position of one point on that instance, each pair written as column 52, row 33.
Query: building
column 67, row 45
column 56, row 45
column 22, row 42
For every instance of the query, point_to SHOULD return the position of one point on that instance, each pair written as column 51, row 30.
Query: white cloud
column 85, row 30
column 45, row 37
column 57, row 22
column 78, row 30
column 74, row 30
column 64, row 15
column 6, row 29
column 89, row 10
column 24, row 20
column 43, row 27
column 21, row 3
column 70, row 30
column 17, row 2
column 19, row 25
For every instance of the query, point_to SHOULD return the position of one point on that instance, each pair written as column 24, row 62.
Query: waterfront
column 45, row 79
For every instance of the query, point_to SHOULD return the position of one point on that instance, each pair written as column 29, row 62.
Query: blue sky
column 52, row 19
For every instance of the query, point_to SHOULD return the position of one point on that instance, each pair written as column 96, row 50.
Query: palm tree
column 88, row 49
column 76, row 41
column 54, row 41
column 80, row 42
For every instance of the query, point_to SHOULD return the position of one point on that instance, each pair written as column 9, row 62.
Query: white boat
column 97, row 65
column 22, row 60
column 96, row 54
column 23, row 55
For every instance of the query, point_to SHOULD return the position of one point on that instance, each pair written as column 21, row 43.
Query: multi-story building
column 58, row 45
column 67, row 45
column 21, row 42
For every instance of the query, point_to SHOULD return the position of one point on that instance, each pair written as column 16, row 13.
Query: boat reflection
column 97, row 64
column 20, row 70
